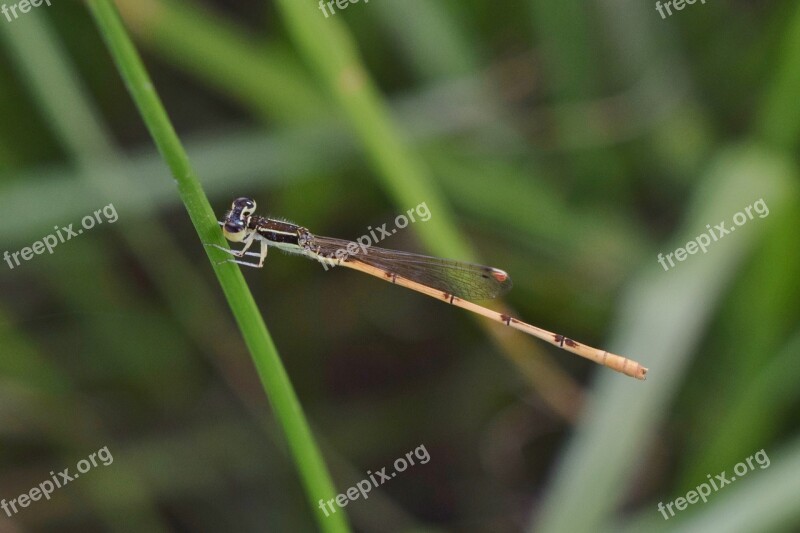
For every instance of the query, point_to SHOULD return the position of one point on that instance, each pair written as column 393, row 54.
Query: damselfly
column 451, row 281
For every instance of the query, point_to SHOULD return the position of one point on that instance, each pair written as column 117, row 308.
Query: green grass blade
column 328, row 46
column 766, row 502
column 330, row 49
column 305, row 452
column 664, row 317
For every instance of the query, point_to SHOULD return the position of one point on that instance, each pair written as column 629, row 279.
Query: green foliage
column 567, row 142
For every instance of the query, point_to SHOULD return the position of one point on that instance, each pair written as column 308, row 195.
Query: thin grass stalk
column 330, row 50
column 305, row 452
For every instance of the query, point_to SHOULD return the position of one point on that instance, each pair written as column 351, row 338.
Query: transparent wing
column 465, row 280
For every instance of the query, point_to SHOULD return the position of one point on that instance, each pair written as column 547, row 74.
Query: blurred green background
column 568, row 143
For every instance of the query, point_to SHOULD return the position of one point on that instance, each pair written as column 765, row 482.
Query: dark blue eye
column 244, row 202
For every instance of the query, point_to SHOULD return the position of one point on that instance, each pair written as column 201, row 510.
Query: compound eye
column 246, row 205
column 244, row 202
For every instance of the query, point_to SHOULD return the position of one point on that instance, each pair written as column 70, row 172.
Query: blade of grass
column 329, row 48
column 664, row 318
column 306, row 454
column 744, row 425
column 765, row 501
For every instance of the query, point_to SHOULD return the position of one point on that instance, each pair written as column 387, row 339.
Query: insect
column 453, row 282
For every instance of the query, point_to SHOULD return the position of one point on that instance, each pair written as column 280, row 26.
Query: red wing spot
column 506, row 319
column 571, row 343
column 499, row 275
column 559, row 339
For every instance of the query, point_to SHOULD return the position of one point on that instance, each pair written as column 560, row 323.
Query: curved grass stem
column 288, row 411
